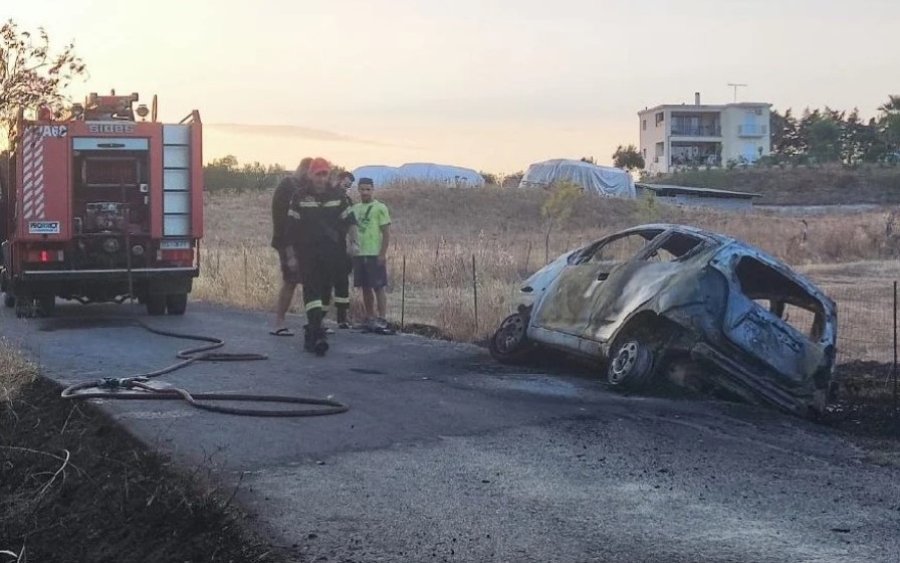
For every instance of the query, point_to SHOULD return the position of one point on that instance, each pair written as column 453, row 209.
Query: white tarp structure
column 425, row 172
column 380, row 175
column 601, row 180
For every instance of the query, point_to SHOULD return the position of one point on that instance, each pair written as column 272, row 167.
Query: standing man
column 290, row 273
column 369, row 265
column 341, row 283
column 318, row 221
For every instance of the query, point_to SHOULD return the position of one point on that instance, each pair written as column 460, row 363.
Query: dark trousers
column 340, row 285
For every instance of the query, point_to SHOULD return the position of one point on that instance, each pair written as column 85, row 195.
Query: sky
column 489, row 84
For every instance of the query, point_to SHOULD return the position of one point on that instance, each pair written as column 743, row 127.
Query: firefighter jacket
column 317, row 224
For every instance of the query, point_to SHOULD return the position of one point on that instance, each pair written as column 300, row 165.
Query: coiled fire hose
column 118, row 388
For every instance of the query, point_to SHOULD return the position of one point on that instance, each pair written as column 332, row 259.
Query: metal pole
column 403, row 296
column 246, row 279
column 894, row 365
column 475, row 292
column 528, row 257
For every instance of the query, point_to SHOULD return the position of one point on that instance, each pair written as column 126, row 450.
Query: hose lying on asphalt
column 135, row 387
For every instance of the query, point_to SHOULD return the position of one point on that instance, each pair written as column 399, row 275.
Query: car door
column 567, row 307
column 630, row 285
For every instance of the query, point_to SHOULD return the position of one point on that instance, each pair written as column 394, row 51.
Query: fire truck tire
column 176, row 303
column 156, row 305
column 46, row 305
column 9, row 300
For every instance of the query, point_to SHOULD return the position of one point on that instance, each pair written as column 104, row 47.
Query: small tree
column 628, row 158
column 558, row 208
column 490, row 178
column 30, row 75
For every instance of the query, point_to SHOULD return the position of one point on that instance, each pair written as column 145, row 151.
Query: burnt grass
column 74, row 487
column 865, row 404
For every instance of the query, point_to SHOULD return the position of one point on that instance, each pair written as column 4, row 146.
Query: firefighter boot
column 315, row 333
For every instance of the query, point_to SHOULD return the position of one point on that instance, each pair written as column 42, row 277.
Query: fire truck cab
column 102, row 205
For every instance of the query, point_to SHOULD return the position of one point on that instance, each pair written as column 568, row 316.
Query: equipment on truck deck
column 102, row 205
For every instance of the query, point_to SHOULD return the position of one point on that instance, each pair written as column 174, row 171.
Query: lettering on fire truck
column 110, row 128
column 53, row 130
column 43, row 227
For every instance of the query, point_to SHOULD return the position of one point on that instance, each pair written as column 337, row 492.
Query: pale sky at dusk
column 493, row 85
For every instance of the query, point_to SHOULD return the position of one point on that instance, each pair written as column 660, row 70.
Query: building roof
column 707, row 107
column 667, row 190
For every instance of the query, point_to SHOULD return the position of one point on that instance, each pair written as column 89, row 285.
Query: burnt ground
column 76, row 487
column 443, row 456
column 865, row 405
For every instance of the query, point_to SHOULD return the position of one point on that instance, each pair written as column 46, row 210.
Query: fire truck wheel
column 176, row 303
column 9, row 300
column 46, row 305
column 156, row 305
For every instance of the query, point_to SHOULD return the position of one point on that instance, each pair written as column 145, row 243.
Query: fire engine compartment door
column 42, row 210
column 177, row 180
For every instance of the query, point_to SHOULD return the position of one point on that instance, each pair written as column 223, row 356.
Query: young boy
column 369, row 265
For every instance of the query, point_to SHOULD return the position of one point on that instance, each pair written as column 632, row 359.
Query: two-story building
column 684, row 136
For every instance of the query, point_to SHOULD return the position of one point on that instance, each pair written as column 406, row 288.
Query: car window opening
column 675, row 247
column 781, row 296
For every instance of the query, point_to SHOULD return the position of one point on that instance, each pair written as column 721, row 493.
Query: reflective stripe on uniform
column 332, row 203
column 342, row 300
column 317, row 304
column 346, row 213
column 294, row 214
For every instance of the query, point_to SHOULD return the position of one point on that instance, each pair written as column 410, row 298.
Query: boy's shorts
column 368, row 273
column 288, row 275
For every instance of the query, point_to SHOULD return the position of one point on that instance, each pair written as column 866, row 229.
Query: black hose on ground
column 135, row 387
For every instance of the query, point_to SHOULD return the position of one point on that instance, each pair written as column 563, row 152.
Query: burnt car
column 672, row 302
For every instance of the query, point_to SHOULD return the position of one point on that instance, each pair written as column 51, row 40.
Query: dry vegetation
column 438, row 232
column 15, row 371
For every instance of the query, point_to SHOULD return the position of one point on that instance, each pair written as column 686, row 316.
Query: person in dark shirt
column 341, row 284
column 290, row 272
column 318, row 219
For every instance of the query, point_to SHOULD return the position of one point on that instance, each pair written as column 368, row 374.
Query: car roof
column 686, row 229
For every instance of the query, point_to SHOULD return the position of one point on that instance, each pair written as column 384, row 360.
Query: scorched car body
column 711, row 310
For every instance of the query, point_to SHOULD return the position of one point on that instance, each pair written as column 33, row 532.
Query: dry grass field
column 439, row 231
column 15, row 371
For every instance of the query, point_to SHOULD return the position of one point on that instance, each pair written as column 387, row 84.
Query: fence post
column 403, row 296
column 894, row 365
column 528, row 258
column 475, row 292
column 246, row 279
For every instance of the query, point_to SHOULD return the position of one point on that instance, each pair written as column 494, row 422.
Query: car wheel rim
column 512, row 333
column 624, row 361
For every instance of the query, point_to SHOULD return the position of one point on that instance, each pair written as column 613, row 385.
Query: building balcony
column 753, row 130
column 697, row 131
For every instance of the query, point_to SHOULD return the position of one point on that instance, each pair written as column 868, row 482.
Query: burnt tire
column 9, row 300
column 510, row 343
column 176, row 303
column 156, row 305
column 632, row 363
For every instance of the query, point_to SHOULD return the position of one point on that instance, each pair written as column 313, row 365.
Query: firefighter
column 318, row 220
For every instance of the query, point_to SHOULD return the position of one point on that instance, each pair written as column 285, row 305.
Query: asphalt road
column 445, row 456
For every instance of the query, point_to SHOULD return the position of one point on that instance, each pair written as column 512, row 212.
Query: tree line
column 829, row 135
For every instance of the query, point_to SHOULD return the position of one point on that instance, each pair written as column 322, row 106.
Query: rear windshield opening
column 676, row 246
column 781, row 296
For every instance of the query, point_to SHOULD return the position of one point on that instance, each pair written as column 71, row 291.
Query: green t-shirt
column 370, row 217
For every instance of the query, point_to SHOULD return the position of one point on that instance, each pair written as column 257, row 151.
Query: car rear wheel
column 635, row 356
column 510, row 343
column 176, row 303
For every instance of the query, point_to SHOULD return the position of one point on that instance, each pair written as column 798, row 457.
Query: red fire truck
column 102, row 205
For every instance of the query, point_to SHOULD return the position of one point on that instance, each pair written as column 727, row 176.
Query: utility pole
column 736, row 86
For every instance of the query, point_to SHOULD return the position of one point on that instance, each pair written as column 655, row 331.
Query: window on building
column 659, row 118
column 644, row 153
column 644, row 125
column 660, row 149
